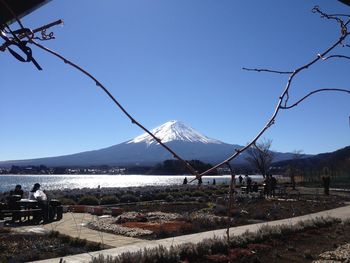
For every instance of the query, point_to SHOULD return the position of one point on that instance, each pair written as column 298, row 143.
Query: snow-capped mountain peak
column 174, row 131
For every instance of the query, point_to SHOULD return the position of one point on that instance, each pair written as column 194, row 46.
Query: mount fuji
column 144, row 150
column 174, row 131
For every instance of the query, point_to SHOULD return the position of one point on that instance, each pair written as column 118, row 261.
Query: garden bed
column 166, row 219
column 304, row 246
column 23, row 247
column 304, row 242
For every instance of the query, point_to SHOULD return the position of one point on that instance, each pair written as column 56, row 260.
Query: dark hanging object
column 19, row 7
column 347, row 2
column 13, row 10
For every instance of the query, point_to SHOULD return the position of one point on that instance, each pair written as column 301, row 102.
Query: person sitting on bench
column 14, row 197
column 40, row 196
column 17, row 191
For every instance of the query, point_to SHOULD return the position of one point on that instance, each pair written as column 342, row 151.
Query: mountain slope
column 339, row 159
column 144, row 150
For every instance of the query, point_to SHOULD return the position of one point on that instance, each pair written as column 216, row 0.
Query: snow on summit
column 174, row 131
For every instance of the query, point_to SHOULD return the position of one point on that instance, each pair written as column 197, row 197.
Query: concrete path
column 341, row 212
column 73, row 224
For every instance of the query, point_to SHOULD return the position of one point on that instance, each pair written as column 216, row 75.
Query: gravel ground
column 341, row 254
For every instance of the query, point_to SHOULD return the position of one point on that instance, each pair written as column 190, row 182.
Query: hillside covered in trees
column 177, row 167
column 334, row 164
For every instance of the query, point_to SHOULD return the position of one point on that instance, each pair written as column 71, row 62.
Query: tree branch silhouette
column 312, row 93
column 267, row 70
column 116, row 102
column 282, row 102
column 29, row 36
column 284, row 97
column 334, row 56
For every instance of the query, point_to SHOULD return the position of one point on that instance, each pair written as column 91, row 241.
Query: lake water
column 51, row 182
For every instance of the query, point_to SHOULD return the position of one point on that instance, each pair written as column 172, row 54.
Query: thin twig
column 312, row 93
column 316, row 9
column 335, row 56
column 256, row 146
column 343, row 15
column 267, row 70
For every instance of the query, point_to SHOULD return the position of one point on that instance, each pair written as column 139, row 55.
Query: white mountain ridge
column 173, row 131
column 143, row 150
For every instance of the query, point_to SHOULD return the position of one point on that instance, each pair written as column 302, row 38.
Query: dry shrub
column 217, row 248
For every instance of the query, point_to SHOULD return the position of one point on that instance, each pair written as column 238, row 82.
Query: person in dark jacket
column 17, row 191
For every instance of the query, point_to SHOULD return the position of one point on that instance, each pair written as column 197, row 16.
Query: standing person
column 267, row 186
column 200, row 181
column 99, row 194
column 249, row 183
column 273, row 182
column 185, row 181
column 326, row 182
column 240, row 178
column 255, row 187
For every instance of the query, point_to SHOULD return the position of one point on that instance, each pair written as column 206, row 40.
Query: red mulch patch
column 176, row 226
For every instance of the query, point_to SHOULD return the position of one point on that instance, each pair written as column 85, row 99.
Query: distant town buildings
column 42, row 169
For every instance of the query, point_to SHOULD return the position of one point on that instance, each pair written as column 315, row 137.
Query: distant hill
column 335, row 161
column 170, row 167
column 145, row 151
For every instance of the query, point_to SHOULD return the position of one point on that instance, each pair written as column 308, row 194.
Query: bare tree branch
column 283, row 99
column 30, row 35
column 312, row 93
column 335, row 56
column 260, row 156
column 339, row 15
column 284, row 96
column 267, row 70
column 133, row 120
column 316, row 9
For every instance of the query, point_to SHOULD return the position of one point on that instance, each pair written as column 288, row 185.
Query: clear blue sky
column 174, row 60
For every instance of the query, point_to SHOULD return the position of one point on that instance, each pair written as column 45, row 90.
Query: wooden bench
column 17, row 215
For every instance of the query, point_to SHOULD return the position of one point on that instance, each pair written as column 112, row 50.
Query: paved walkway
column 74, row 225
column 341, row 212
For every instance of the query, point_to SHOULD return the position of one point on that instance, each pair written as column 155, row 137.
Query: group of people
column 200, row 182
column 269, row 185
column 250, row 185
column 35, row 193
